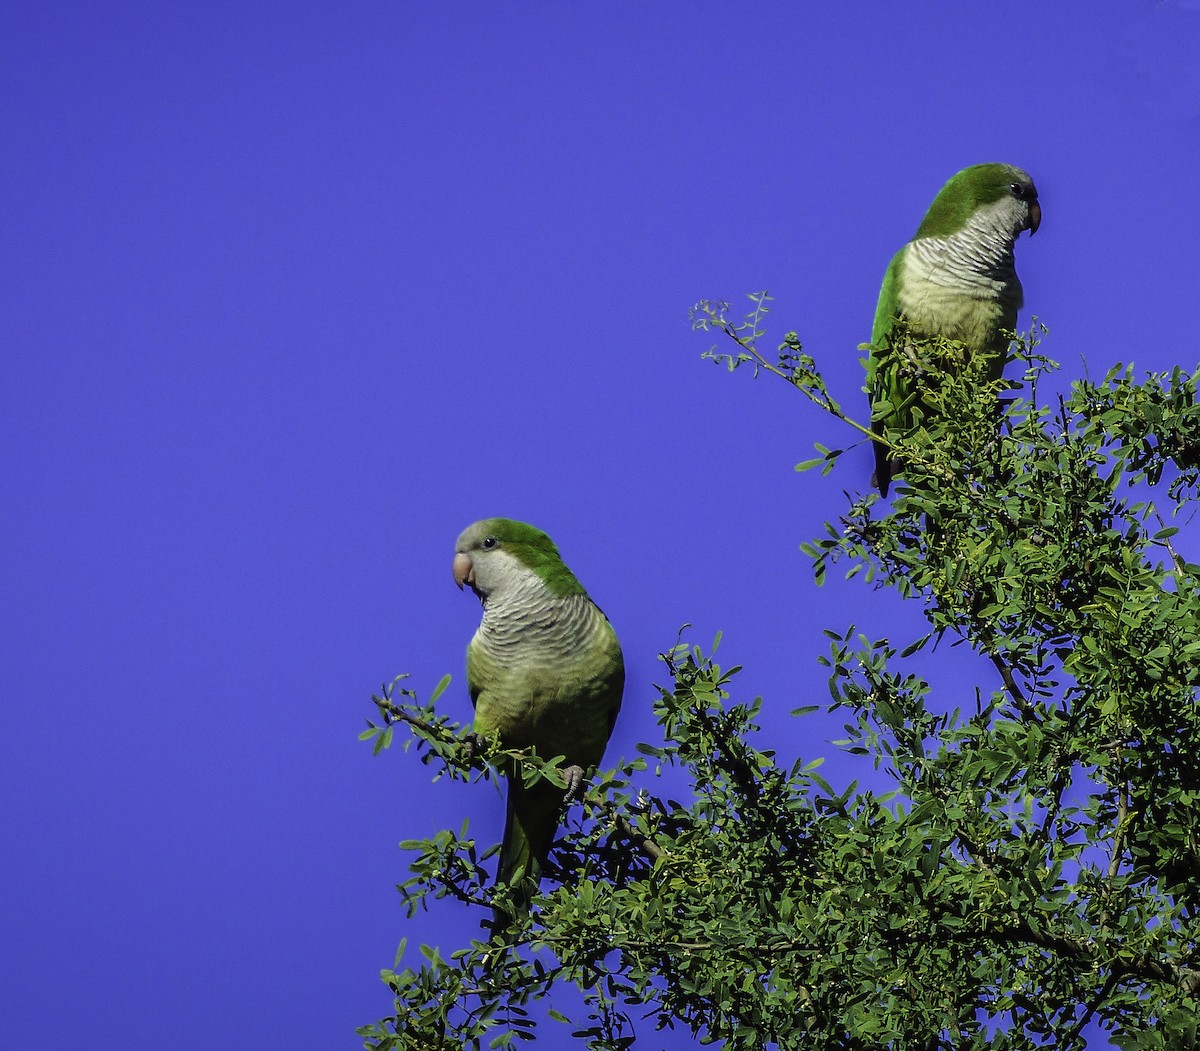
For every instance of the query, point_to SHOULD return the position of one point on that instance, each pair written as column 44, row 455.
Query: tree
column 1030, row 868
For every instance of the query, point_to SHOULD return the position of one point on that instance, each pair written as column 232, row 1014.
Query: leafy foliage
column 1031, row 869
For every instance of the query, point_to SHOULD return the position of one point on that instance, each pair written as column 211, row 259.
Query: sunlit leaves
column 1024, row 866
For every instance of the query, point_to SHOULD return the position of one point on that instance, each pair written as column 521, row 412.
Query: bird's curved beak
column 1035, row 218
column 464, row 570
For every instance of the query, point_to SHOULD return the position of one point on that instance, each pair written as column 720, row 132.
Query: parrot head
column 1001, row 197
column 495, row 555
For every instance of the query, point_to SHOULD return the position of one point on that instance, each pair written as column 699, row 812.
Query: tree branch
column 1114, row 862
column 644, row 844
column 1014, row 691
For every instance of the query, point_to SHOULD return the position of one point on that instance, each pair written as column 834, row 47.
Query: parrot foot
column 574, row 779
column 473, row 746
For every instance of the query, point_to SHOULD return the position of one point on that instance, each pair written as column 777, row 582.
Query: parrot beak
column 1035, row 217
column 464, row 570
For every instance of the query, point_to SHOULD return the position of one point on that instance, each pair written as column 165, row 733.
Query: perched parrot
column 956, row 279
column 544, row 669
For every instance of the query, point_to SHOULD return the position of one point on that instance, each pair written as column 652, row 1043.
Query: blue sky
column 293, row 293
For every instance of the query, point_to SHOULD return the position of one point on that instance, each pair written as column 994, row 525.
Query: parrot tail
column 529, row 826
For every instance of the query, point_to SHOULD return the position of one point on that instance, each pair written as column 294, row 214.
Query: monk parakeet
column 544, row 669
column 955, row 279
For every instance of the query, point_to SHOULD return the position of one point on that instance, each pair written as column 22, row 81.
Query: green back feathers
column 535, row 549
column 966, row 191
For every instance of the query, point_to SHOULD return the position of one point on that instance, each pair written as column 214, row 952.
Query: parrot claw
column 574, row 779
column 473, row 747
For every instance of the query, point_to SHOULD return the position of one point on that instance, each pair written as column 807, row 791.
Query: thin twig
column 1114, row 863
column 1058, row 787
column 824, row 403
column 1023, row 706
column 394, row 713
column 1180, row 565
column 1093, row 1004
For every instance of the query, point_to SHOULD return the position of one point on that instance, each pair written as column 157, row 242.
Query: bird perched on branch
column 544, row 670
column 956, row 279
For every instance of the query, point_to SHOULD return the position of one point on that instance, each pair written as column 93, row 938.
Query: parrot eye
column 489, row 542
column 1017, row 189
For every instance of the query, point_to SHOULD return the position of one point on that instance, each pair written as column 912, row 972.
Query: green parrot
column 544, row 669
column 955, row 279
